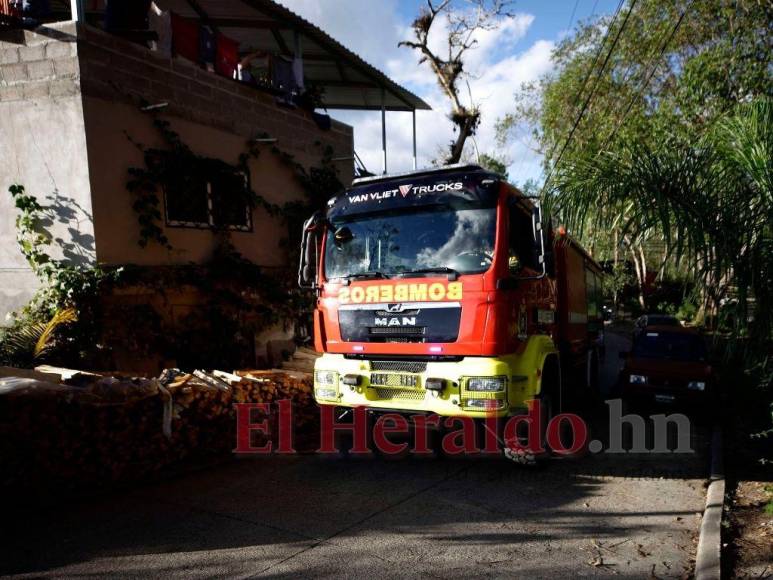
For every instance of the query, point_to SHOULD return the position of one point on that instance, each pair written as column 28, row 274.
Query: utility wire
column 593, row 10
column 638, row 93
column 590, row 95
column 571, row 18
column 591, row 67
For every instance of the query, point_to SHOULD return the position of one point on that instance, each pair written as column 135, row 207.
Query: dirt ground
column 749, row 544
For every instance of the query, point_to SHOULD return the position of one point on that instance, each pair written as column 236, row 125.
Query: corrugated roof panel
column 348, row 80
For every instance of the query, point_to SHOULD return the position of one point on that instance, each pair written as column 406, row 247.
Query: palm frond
column 44, row 342
column 30, row 342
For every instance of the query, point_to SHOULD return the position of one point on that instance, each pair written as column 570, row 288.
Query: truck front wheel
column 550, row 402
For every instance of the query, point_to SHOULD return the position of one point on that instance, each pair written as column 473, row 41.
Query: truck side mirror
column 307, row 270
column 539, row 238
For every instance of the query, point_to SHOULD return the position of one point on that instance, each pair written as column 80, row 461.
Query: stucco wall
column 215, row 117
column 68, row 102
column 43, row 147
column 111, row 154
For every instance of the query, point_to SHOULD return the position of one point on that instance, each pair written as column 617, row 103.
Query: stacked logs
column 92, row 430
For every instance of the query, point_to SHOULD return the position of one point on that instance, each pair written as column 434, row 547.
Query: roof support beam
column 283, row 48
column 413, row 114
column 298, row 59
column 347, row 107
column 203, row 16
column 383, row 134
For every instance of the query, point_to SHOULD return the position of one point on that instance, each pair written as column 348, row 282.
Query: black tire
column 550, row 405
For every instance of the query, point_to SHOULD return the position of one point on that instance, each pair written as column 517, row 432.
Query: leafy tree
column 493, row 163
column 678, row 66
column 646, row 167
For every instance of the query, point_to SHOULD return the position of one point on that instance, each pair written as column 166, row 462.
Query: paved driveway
column 602, row 515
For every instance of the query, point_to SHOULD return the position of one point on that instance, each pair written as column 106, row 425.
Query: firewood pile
column 67, row 428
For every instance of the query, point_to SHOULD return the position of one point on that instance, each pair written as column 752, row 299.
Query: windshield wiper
column 365, row 275
column 452, row 274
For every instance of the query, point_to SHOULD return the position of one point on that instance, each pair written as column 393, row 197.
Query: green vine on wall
column 243, row 298
column 177, row 167
column 68, row 295
column 30, row 235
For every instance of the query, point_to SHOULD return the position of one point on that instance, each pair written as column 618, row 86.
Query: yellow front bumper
column 400, row 385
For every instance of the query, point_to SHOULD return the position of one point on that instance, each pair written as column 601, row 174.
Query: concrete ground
column 601, row 515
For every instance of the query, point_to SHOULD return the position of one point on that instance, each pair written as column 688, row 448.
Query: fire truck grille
column 398, row 366
column 400, row 394
column 397, row 331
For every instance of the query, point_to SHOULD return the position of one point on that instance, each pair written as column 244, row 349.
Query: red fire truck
column 442, row 291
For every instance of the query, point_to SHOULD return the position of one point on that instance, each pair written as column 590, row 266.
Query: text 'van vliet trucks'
column 440, row 291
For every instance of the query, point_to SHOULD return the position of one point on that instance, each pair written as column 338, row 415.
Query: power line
column 593, row 10
column 638, row 93
column 590, row 95
column 571, row 18
column 591, row 67
column 593, row 64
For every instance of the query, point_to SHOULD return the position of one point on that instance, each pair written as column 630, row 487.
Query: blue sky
column 518, row 52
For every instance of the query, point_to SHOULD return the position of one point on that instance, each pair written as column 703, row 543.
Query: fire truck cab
column 443, row 291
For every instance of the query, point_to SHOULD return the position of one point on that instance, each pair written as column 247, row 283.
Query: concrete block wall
column 43, row 147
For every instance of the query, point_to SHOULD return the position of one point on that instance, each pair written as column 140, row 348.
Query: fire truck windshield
column 434, row 239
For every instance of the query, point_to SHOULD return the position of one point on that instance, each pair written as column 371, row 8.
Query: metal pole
column 383, row 135
column 76, row 10
column 413, row 113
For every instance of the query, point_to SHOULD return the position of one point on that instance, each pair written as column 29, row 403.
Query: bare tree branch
column 465, row 18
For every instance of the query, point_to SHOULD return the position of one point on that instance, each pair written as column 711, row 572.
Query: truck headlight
column 326, row 377
column 486, row 384
column 326, row 393
column 696, row 385
column 638, row 380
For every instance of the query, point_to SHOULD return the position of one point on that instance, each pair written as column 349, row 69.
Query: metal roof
column 348, row 81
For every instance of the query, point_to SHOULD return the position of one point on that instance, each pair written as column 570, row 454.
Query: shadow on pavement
column 317, row 515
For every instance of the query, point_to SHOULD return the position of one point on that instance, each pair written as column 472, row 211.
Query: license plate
column 394, row 380
column 665, row 398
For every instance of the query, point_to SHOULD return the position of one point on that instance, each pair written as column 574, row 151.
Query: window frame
column 210, row 223
column 513, row 206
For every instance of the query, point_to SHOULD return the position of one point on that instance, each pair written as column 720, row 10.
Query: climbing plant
column 177, row 168
column 66, row 301
column 241, row 298
column 68, row 320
